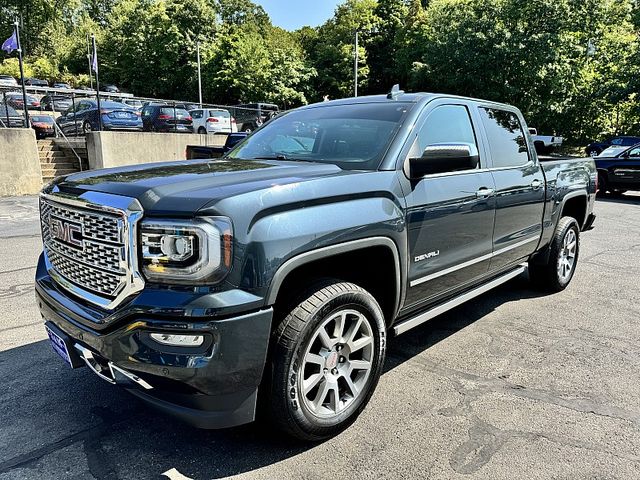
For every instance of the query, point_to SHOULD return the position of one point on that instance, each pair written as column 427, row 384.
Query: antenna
column 395, row 91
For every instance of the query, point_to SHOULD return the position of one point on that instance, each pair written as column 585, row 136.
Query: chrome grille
column 96, row 260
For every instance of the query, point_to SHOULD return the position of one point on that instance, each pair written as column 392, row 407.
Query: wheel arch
column 574, row 205
column 335, row 260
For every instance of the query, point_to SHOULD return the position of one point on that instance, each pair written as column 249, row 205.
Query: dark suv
column 166, row 118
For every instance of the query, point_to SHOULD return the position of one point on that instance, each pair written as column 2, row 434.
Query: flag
column 94, row 60
column 11, row 43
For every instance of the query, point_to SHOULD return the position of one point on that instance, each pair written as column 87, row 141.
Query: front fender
column 278, row 243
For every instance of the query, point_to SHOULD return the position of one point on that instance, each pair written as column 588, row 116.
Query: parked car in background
column 8, row 81
column 44, row 125
column 61, row 85
column 16, row 100
column 110, row 89
column 596, row 148
column 618, row 169
column 212, row 120
column 544, row 144
column 250, row 116
column 165, row 118
column 205, row 151
column 9, row 117
column 84, row 118
column 58, row 103
column 36, row 82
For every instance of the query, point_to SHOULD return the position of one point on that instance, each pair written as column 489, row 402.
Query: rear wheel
column 86, row 127
column 602, row 184
column 202, row 131
column 556, row 274
column 327, row 358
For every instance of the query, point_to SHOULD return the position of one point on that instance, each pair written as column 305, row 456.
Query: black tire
column 286, row 403
column 548, row 276
column 602, row 184
column 86, row 127
column 202, row 131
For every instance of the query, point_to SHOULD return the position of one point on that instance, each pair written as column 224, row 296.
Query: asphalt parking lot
column 514, row 385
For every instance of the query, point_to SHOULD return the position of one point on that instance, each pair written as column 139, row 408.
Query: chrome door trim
column 454, row 302
column 473, row 261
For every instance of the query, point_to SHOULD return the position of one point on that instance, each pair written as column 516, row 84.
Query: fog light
column 178, row 340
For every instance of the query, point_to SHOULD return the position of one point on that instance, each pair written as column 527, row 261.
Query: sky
column 293, row 14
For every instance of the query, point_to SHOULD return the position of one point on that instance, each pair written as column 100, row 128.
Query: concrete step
column 58, row 161
column 52, row 154
column 59, row 165
column 54, row 167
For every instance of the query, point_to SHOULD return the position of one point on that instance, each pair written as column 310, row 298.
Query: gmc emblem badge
column 67, row 232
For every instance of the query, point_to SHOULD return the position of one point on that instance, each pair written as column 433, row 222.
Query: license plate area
column 63, row 346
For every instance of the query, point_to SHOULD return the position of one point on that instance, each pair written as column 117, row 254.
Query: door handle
column 484, row 192
column 536, row 184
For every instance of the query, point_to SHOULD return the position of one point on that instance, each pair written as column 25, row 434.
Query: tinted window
column 42, row 118
column 616, row 141
column 634, row 152
column 506, row 138
column 445, row 124
column 351, row 136
column 179, row 112
column 627, row 142
column 219, row 113
column 196, row 113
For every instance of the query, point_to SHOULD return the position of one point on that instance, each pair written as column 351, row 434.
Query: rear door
column 449, row 215
column 519, row 187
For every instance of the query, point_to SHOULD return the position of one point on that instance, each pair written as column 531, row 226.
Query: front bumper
column 212, row 386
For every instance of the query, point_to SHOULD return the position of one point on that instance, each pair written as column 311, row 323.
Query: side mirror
column 443, row 158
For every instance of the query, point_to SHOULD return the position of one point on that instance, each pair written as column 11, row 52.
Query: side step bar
column 454, row 302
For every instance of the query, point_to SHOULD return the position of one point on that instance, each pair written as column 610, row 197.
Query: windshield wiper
column 280, row 156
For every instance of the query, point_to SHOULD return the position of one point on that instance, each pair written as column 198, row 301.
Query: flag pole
column 24, row 90
column 89, row 61
column 95, row 69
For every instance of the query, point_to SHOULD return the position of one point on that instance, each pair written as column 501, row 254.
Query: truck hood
column 182, row 188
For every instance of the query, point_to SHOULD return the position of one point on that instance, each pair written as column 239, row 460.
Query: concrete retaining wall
column 20, row 172
column 114, row 149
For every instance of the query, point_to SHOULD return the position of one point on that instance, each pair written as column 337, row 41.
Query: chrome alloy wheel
column 567, row 256
column 337, row 363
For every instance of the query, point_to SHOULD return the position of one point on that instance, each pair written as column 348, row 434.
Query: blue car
column 83, row 118
column 596, row 148
column 618, row 169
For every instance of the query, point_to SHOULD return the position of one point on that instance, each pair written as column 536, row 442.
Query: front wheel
column 327, row 357
column 555, row 275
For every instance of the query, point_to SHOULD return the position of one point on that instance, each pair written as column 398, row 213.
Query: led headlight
column 186, row 251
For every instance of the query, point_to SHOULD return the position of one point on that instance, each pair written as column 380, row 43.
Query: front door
column 624, row 173
column 449, row 215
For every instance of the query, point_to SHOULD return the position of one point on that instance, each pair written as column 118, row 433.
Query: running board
column 454, row 302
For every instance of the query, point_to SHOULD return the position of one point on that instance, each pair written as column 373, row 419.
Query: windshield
column 351, row 136
column 612, row 151
column 42, row 118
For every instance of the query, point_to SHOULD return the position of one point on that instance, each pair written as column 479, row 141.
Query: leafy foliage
column 572, row 66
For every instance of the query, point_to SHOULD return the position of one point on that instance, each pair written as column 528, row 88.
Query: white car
column 213, row 120
column 8, row 81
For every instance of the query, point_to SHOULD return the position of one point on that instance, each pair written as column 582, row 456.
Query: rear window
column 179, row 112
column 219, row 113
column 506, row 138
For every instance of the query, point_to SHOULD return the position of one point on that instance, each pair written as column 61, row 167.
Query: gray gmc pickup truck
column 270, row 279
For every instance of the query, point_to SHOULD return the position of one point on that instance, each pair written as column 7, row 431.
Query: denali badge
column 426, row 256
column 65, row 231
